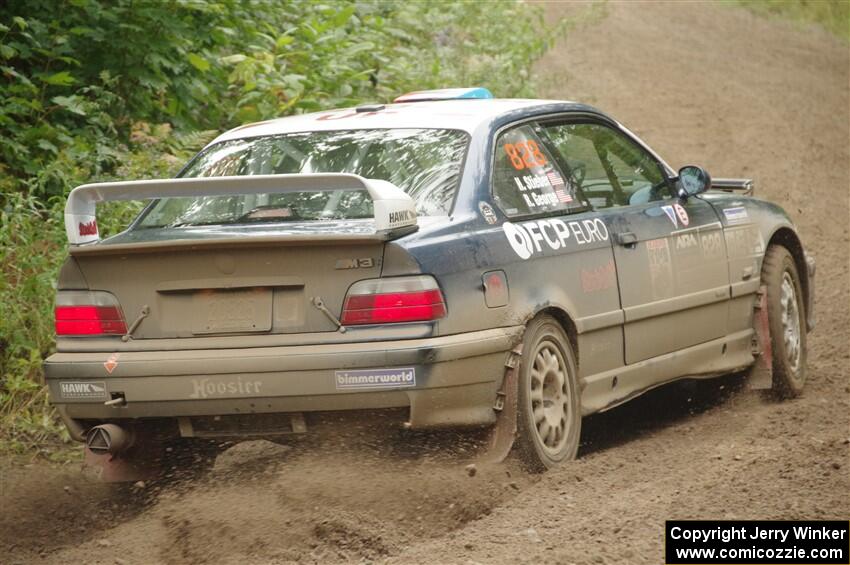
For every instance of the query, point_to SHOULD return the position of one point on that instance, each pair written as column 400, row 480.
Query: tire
column 548, row 410
column 786, row 317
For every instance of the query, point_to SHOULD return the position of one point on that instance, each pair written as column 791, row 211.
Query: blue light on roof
column 477, row 93
column 480, row 93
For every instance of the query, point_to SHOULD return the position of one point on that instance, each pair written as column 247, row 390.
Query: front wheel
column 786, row 318
column 549, row 414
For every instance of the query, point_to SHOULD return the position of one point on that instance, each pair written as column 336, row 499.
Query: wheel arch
column 787, row 238
column 566, row 321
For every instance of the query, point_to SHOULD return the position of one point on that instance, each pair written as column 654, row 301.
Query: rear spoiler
column 393, row 207
column 745, row 186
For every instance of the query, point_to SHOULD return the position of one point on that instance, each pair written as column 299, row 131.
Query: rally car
column 452, row 259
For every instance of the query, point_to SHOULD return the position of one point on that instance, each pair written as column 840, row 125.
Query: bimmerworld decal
column 375, row 378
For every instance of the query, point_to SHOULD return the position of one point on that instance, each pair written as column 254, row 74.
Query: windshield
column 424, row 163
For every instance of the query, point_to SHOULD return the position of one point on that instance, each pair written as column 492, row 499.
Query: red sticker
column 89, row 228
column 598, row 278
column 111, row 363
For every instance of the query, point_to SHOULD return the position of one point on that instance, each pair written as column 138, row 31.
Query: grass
column 32, row 248
column 832, row 15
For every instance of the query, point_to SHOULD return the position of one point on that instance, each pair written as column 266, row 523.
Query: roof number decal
column 525, row 154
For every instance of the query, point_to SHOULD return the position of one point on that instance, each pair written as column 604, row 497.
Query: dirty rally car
column 451, row 259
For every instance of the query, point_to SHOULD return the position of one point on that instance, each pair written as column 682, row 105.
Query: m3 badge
column 362, row 263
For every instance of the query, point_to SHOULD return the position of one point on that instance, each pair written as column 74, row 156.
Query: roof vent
column 369, row 108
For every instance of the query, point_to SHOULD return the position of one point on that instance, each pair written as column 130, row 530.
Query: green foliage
column 31, row 243
column 77, row 79
column 101, row 89
column 328, row 57
column 833, row 15
column 32, row 249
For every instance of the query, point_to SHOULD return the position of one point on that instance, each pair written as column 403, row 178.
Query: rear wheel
column 787, row 321
column 549, row 417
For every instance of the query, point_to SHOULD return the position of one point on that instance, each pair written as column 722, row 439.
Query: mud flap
column 502, row 435
column 761, row 374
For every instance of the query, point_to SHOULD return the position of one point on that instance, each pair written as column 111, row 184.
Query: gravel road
column 702, row 83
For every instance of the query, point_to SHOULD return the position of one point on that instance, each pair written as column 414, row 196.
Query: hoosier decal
column 212, row 388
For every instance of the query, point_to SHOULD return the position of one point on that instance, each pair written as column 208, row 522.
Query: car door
column 562, row 254
column 669, row 253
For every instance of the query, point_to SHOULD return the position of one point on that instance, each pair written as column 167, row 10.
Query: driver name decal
column 529, row 238
column 551, row 183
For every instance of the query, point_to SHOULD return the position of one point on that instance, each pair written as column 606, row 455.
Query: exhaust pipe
column 109, row 439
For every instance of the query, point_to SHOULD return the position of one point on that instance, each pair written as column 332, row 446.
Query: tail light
column 386, row 301
column 88, row 313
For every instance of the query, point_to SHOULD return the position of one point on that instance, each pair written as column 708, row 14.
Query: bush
column 32, row 248
column 106, row 89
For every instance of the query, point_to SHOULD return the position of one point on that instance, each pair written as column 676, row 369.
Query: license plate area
column 232, row 311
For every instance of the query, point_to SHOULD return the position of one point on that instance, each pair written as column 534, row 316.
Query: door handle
column 627, row 239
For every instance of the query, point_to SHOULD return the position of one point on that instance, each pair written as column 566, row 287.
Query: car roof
column 465, row 115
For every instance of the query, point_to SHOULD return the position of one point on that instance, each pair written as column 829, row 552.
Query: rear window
column 425, row 163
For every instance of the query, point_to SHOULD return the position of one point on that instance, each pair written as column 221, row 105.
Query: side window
column 526, row 179
column 609, row 168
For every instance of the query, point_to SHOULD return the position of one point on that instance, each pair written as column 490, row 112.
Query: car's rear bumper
column 454, row 380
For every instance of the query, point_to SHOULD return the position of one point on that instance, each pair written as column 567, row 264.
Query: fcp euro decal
column 528, row 238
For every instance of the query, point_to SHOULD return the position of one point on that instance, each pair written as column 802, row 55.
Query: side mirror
column 693, row 180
